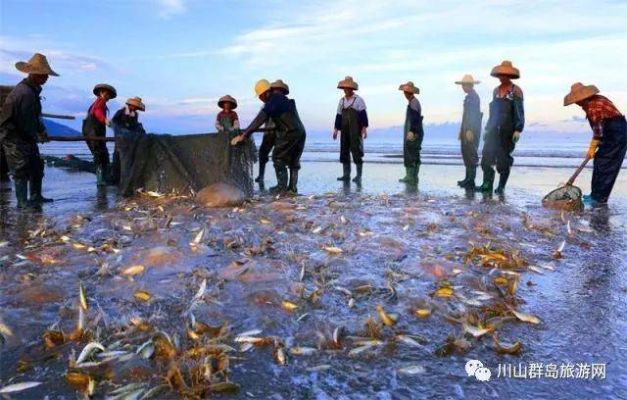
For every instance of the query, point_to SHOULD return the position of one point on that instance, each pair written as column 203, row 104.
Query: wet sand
column 398, row 249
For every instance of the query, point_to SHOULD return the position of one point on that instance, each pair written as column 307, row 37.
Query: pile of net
column 183, row 164
column 567, row 197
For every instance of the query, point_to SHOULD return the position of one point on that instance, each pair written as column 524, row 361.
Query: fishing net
column 567, row 197
column 183, row 164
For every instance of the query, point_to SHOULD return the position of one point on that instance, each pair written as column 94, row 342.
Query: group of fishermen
column 21, row 128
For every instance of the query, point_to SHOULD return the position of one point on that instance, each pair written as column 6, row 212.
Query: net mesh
column 567, row 197
column 184, row 164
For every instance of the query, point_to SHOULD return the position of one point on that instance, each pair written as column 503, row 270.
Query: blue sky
column 182, row 55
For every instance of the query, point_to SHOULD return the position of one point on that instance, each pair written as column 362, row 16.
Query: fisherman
column 125, row 122
column 21, row 127
column 227, row 119
column 290, row 138
column 609, row 139
column 269, row 136
column 470, row 131
column 95, row 124
column 502, row 132
column 412, row 134
column 352, row 120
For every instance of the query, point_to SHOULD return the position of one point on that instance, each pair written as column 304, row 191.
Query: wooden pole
column 57, row 116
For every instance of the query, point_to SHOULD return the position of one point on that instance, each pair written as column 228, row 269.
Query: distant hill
column 57, row 129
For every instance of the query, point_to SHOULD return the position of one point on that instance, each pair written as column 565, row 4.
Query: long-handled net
column 567, row 197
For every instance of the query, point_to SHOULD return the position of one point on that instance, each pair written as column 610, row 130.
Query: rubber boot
column 281, row 179
column 360, row 168
column 347, row 173
column 21, row 192
column 35, row 192
column 408, row 174
column 293, row 185
column 488, row 181
column 472, row 174
column 502, row 182
column 262, row 172
column 464, row 182
column 414, row 176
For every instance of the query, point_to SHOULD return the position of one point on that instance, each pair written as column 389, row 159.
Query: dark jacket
column 471, row 119
column 126, row 121
column 21, row 112
column 413, row 116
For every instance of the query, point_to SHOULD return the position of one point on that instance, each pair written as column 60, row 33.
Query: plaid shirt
column 598, row 109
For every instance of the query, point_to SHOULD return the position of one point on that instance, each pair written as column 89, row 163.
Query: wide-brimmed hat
column 467, row 80
column 261, row 87
column 578, row 92
column 409, row 87
column 137, row 102
column 227, row 99
column 279, row 84
column 506, row 68
column 104, row 86
column 348, row 83
column 38, row 65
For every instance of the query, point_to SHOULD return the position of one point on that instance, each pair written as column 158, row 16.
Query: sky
column 180, row 56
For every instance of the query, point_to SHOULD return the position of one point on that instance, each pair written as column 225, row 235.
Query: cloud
column 169, row 8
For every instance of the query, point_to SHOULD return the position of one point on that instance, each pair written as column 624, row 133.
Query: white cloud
column 169, row 8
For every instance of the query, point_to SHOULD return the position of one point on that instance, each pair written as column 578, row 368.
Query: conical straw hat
column 38, row 65
column 409, row 88
column 467, row 80
column 578, row 92
column 506, row 68
column 105, row 86
column 348, row 83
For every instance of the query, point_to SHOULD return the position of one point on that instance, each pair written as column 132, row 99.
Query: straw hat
column 409, row 88
column 467, row 80
column 137, row 102
column 38, row 65
column 348, row 83
column 279, row 84
column 104, row 86
column 578, row 92
column 261, row 87
column 227, row 99
column 506, row 68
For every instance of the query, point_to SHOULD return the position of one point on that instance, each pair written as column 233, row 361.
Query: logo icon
column 475, row 368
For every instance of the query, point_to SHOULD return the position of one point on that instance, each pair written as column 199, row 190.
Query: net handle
column 578, row 171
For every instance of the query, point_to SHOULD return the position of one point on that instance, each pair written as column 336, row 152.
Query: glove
column 469, row 136
column 594, row 145
column 516, row 137
column 411, row 136
column 219, row 127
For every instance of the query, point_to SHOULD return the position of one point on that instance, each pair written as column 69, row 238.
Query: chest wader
column 351, row 143
column 609, row 158
column 498, row 145
column 288, row 148
column 92, row 127
column 411, row 151
column 470, row 153
column 267, row 143
column 26, row 166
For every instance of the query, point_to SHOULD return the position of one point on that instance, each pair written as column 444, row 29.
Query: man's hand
column 364, row 132
column 219, row 127
column 516, row 137
column 108, row 122
column 334, row 134
column 469, row 136
column 411, row 136
column 238, row 139
column 592, row 150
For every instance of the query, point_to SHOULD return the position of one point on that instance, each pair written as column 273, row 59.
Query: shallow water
column 252, row 259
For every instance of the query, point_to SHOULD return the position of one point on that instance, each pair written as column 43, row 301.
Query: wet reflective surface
column 448, row 270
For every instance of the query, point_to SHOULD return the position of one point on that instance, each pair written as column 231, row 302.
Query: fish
column 412, row 370
column 506, row 348
column 133, row 270
column 78, row 380
column 387, row 319
column 142, row 295
column 289, row 306
column 445, row 292
column 88, row 350
column 201, row 291
column 408, row 341
column 146, row 349
column 422, row 312
column 532, row 319
column 557, row 254
column 265, row 221
column 224, row 387
column 474, row 331
column 279, row 355
column 316, row 230
column 155, row 391
column 197, row 238
column 332, row 250
column 18, row 387
column 303, row 351
column 251, row 332
column 366, row 346
column 319, row 368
